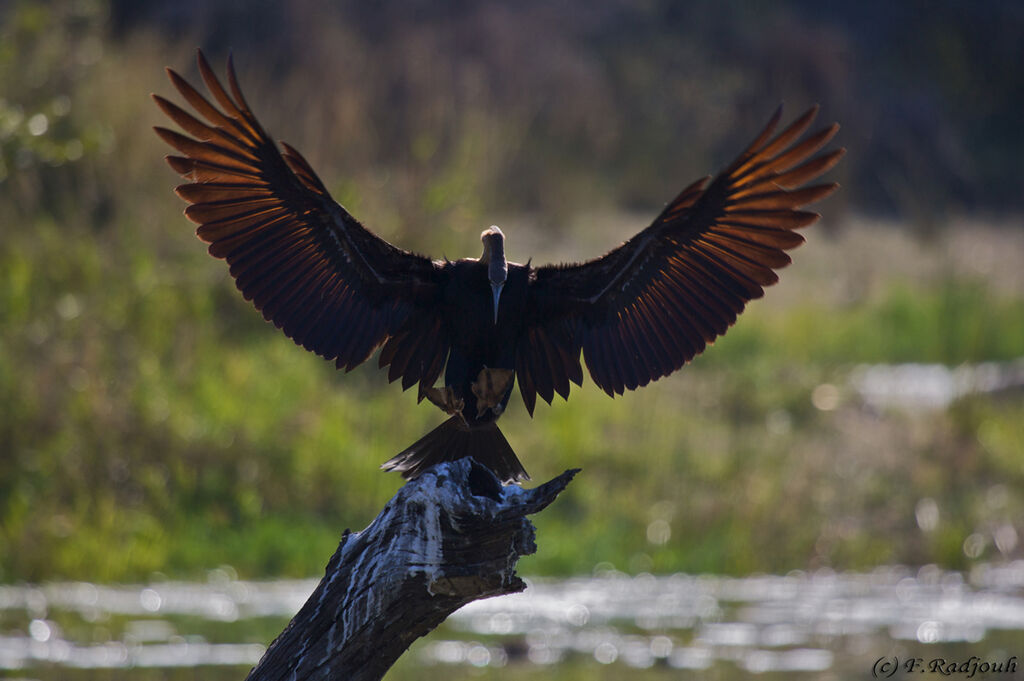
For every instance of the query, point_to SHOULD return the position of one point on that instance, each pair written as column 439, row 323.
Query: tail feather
column 453, row 440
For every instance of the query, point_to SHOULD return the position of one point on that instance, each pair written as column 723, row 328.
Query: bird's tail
column 453, row 440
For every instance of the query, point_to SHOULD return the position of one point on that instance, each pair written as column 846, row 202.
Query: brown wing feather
column 304, row 262
column 649, row 306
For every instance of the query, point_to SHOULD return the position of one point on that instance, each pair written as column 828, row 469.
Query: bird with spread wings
column 635, row 314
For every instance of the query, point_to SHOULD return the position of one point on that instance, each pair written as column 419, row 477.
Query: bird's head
column 494, row 258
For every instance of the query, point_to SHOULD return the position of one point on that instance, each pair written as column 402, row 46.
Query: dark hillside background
column 929, row 93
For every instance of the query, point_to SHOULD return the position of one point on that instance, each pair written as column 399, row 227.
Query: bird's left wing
column 307, row 264
column 649, row 306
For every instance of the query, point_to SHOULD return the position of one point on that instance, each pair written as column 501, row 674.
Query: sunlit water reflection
column 932, row 386
column 807, row 622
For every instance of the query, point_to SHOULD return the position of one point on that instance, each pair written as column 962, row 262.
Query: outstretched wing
column 646, row 308
column 304, row 262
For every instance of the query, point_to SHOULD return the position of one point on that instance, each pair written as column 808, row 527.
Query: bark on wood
column 449, row 537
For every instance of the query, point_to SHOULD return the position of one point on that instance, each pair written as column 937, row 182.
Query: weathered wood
column 451, row 536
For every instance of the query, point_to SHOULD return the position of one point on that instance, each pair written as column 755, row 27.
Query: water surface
column 609, row 625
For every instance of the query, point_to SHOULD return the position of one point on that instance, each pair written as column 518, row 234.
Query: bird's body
column 636, row 314
column 477, row 342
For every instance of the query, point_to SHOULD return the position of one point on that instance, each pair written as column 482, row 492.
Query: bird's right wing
column 649, row 306
column 307, row 264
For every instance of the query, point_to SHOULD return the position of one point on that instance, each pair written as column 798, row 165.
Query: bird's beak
column 496, row 289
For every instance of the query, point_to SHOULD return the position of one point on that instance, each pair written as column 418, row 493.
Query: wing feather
column 544, row 370
column 526, row 385
column 559, row 374
column 677, row 333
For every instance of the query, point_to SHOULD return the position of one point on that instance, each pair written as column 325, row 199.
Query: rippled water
column 766, row 623
column 932, row 386
column 802, row 622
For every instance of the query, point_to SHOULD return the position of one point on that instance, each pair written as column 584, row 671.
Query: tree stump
column 449, row 537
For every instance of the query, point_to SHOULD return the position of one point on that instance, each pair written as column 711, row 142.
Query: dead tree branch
column 449, row 537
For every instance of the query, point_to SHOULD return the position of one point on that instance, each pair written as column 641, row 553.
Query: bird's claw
column 489, row 388
column 444, row 398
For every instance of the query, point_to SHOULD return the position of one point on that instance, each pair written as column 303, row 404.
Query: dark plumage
column 635, row 314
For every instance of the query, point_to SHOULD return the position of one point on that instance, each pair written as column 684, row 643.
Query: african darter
column 636, row 314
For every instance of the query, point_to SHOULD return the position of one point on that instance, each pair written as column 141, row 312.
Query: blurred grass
column 153, row 423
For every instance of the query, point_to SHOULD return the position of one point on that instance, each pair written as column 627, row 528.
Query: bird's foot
column 490, row 388
column 444, row 398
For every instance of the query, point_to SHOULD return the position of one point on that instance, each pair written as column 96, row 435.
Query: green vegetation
column 152, row 421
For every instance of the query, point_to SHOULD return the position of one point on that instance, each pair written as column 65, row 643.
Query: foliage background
column 153, row 423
